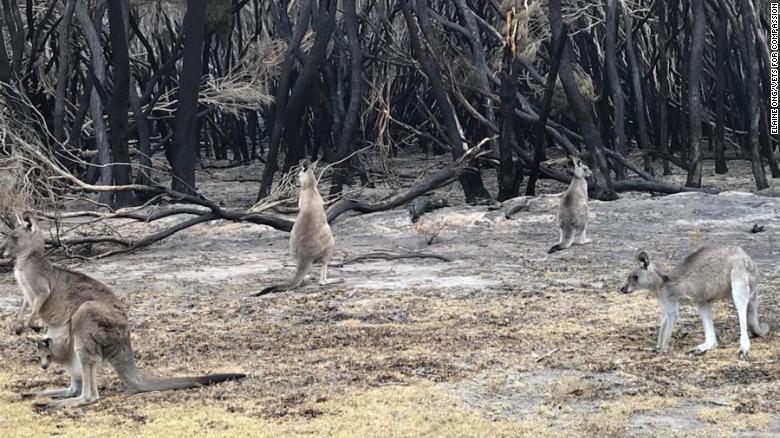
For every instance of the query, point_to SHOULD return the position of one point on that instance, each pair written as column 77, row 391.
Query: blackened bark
column 764, row 72
column 14, row 27
column 636, row 86
column 613, row 78
column 751, row 110
column 478, row 58
column 346, row 138
column 721, row 58
column 603, row 188
column 695, row 60
column 539, row 137
column 63, row 67
column 98, row 68
column 282, row 92
column 471, row 182
column 185, row 136
column 506, row 170
column 143, row 175
column 117, row 112
column 300, row 96
column 5, row 62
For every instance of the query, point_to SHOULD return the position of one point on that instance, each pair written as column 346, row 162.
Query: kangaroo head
column 26, row 239
column 45, row 355
column 306, row 177
column 643, row 276
column 581, row 170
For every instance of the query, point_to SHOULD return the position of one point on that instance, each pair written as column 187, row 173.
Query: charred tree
column 752, row 105
column 695, row 61
column 721, row 58
column 603, row 189
column 615, row 88
column 507, row 188
column 346, row 139
column 539, row 134
column 636, row 86
column 473, row 187
column 662, row 120
column 97, row 70
column 117, row 113
column 185, row 133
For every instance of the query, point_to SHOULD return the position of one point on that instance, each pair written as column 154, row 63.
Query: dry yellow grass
column 504, row 341
column 403, row 411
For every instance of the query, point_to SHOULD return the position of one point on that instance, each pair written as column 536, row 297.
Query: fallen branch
column 389, row 256
column 205, row 210
column 443, row 177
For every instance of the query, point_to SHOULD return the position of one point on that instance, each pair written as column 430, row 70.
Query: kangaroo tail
column 135, row 381
column 511, row 212
column 300, row 274
column 556, row 248
column 567, row 237
column 148, row 384
column 757, row 328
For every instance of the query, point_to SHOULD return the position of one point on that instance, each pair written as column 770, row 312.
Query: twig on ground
column 548, row 354
column 389, row 256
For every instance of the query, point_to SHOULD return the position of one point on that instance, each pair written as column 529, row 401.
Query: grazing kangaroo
column 708, row 274
column 311, row 239
column 573, row 209
column 86, row 322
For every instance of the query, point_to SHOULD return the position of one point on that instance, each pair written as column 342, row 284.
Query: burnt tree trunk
column 539, row 136
column 471, row 182
column 63, row 68
column 507, row 188
column 98, row 69
column 185, row 135
column 751, row 110
column 346, row 139
column 636, row 86
column 603, row 189
column 663, row 85
column 721, row 58
column 117, row 112
column 695, row 61
column 613, row 78
column 301, row 95
column 478, row 59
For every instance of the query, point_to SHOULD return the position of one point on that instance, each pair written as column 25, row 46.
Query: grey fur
column 573, row 209
column 86, row 322
column 709, row 274
column 311, row 240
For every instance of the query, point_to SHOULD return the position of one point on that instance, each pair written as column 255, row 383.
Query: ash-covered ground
column 504, row 340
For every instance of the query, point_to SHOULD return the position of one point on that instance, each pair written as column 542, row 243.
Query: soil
column 504, row 340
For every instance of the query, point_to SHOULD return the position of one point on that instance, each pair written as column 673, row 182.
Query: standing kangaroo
column 86, row 322
column 573, row 209
column 705, row 276
column 311, row 239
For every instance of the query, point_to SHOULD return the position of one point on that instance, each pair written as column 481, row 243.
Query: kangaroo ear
column 643, row 259
column 27, row 220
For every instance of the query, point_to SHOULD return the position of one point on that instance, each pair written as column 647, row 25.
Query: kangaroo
column 61, row 353
column 706, row 275
column 573, row 209
column 311, row 239
column 86, row 322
